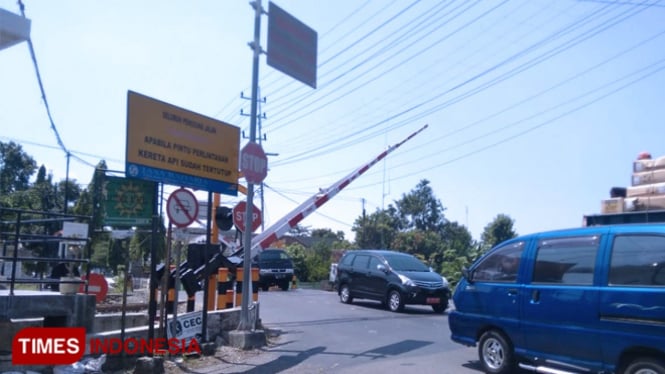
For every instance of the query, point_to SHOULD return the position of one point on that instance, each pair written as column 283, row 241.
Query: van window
column 373, row 263
column 501, row 265
column 348, row 259
column 361, row 262
column 566, row 260
column 638, row 260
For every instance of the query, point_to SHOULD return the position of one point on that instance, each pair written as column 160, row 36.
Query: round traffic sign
column 253, row 163
column 97, row 285
column 239, row 216
column 182, row 208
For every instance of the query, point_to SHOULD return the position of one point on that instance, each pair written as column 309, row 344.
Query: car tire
column 284, row 285
column 496, row 353
column 395, row 301
column 645, row 365
column 440, row 308
column 345, row 294
column 265, row 287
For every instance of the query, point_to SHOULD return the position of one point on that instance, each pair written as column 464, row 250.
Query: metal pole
column 206, row 269
column 64, row 210
column 178, row 247
column 123, row 315
column 247, row 242
column 152, row 303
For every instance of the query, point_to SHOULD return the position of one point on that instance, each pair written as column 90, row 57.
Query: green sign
column 128, row 202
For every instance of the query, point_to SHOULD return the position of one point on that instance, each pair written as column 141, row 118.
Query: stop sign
column 239, row 216
column 253, row 163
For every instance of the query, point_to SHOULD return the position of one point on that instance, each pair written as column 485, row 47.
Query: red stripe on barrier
column 269, row 240
column 297, row 218
column 321, row 200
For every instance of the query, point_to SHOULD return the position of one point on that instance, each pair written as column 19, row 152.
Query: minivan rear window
column 638, row 260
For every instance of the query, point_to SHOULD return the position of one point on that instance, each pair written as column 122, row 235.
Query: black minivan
column 275, row 269
column 391, row 277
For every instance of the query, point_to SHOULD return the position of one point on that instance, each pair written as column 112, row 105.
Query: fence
column 36, row 240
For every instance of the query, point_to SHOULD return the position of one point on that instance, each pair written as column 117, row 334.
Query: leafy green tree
column 298, row 254
column 70, row 191
column 422, row 244
column 90, row 199
column 497, row 231
column 376, row 230
column 101, row 251
column 458, row 251
column 16, row 168
column 420, row 209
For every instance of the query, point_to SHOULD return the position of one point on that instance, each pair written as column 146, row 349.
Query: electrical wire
column 41, row 85
column 322, row 150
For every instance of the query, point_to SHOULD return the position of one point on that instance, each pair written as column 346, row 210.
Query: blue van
column 583, row 300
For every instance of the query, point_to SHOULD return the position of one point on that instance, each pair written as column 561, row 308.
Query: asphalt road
column 315, row 333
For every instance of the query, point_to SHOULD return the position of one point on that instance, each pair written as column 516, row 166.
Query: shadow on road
column 285, row 362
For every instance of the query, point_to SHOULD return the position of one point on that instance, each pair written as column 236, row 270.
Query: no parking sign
column 182, row 208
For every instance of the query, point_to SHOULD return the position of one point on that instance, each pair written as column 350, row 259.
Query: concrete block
column 247, row 339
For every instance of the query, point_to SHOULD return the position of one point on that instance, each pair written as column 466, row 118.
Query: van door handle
column 535, row 296
column 512, row 292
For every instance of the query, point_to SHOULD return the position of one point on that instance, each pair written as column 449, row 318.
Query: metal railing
column 22, row 229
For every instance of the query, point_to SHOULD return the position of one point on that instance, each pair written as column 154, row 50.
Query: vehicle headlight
column 445, row 281
column 406, row 280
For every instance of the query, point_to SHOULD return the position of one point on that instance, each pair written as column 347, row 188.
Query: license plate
column 433, row 300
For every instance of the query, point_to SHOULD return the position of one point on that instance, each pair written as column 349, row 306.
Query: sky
column 535, row 108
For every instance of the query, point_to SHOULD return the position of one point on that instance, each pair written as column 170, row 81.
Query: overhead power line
column 41, row 86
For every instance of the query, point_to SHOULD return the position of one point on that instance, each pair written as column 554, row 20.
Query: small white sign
column 185, row 326
column 75, row 230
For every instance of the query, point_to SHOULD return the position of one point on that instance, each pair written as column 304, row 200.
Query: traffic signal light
column 224, row 218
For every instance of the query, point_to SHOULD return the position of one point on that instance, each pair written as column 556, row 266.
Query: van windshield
column 405, row 263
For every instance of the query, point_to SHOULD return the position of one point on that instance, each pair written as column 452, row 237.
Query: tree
column 497, row 231
column 89, row 201
column 298, row 255
column 376, row 230
column 420, row 210
column 422, row 244
column 458, row 251
column 16, row 168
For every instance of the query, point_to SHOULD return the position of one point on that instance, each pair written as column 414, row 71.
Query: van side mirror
column 466, row 273
column 382, row 267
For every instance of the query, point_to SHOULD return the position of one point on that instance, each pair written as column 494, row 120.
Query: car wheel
column 284, row 285
column 495, row 353
column 646, row 365
column 395, row 301
column 345, row 294
column 265, row 287
column 440, row 308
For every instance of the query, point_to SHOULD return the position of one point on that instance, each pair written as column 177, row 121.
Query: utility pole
column 261, row 137
column 364, row 228
column 244, row 324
